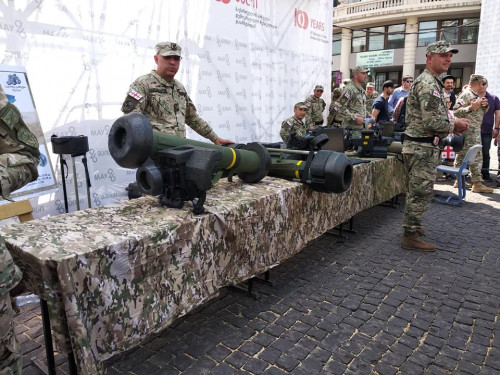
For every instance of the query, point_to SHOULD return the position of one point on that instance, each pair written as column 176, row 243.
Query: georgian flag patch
column 461, row 102
column 134, row 94
column 347, row 95
column 436, row 93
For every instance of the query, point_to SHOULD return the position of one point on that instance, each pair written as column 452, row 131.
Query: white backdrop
column 488, row 55
column 245, row 64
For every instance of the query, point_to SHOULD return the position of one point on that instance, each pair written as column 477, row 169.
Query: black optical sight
column 72, row 145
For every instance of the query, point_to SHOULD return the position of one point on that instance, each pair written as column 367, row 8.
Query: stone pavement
column 360, row 306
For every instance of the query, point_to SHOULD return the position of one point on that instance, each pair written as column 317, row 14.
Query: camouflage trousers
column 11, row 359
column 472, row 137
column 420, row 169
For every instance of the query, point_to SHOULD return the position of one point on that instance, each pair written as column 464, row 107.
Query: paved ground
column 362, row 306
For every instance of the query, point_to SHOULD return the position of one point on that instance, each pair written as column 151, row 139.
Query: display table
column 113, row 275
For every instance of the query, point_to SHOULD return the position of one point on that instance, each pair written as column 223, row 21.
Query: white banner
column 245, row 64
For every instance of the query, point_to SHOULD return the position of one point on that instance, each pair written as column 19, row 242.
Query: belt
column 337, row 122
column 318, row 122
column 419, row 139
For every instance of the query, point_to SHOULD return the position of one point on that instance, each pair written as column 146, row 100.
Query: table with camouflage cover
column 114, row 275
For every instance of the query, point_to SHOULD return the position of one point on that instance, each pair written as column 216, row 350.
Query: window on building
column 427, row 37
column 463, row 31
column 358, row 41
column 376, row 38
column 449, row 31
column 395, row 39
column 336, row 44
column 470, row 31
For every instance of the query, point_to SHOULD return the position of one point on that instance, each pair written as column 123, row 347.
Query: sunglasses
column 409, row 81
column 484, row 83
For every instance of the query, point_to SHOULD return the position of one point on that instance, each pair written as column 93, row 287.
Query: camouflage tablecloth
column 115, row 274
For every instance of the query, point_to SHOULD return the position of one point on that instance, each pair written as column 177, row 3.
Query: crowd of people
column 430, row 110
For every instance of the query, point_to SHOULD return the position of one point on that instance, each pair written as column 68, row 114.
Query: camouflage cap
column 301, row 105
column 360, row 69
column 370, row 84
column 319, row 87
column 441, row 46
column 476, row 78
column 168, row 49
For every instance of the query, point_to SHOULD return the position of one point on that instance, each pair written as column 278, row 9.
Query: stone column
column 345, row 53
column 410, row 51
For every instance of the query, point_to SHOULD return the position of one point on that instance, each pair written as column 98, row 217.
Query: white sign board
column 374, row 59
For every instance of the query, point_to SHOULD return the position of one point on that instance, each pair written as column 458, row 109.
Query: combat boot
column 421, row 231
column 411, row 241
column 478, row 187
column 467, row 185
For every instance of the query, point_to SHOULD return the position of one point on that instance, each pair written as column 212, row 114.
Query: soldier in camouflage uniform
column 371, row 95
column 295, row 124
column 352, row 110
column 164, row 100
column 19, row 157
column 427, row 120
column 315, row 107
column 471, row 106
column 334, row 108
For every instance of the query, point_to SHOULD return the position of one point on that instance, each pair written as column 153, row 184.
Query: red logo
column 301, row 19
column 224, row 1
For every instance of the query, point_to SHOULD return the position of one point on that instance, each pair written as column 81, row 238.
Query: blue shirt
column 381, row 104
column 489, row 116
column 396, row 95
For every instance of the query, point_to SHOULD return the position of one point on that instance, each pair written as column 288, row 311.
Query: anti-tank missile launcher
column 178, row 169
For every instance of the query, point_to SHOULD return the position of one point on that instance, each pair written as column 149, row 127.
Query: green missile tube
column 327, row 172
column 132, row 141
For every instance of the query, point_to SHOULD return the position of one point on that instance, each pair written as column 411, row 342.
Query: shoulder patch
column 347, row 95
column 27, row 137
column 461, row 101
column 436, row 93
column 134, row 94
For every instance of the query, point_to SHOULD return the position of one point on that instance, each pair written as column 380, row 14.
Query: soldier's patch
column 289, row 123
column 433, row 103
column 27, row 137
column 461, row 101
column 134, row 94
column 10, row 116
column 347, row 95
column 128, row 106
column 436, row 93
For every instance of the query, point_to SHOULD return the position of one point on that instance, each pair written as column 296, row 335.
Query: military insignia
column 134, row 94
column 436, row 93
column 433, row 103
column 289, row 124
column 347, row 95
column 27, row 137
column 128, row 106
column 461, row 101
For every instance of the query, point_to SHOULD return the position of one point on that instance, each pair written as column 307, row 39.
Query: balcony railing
column 353, row 11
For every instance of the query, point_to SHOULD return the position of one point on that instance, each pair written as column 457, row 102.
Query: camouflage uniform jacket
column 426, row 111
column 352, row 105
column 292, row 125
column 332, row 114
column 19, row 157
column 19, row 154
column 315, row 106
column 369, row 101
column 167, row 106
column 462, row 109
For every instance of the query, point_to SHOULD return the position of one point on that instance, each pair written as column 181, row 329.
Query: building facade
column 390, row 36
